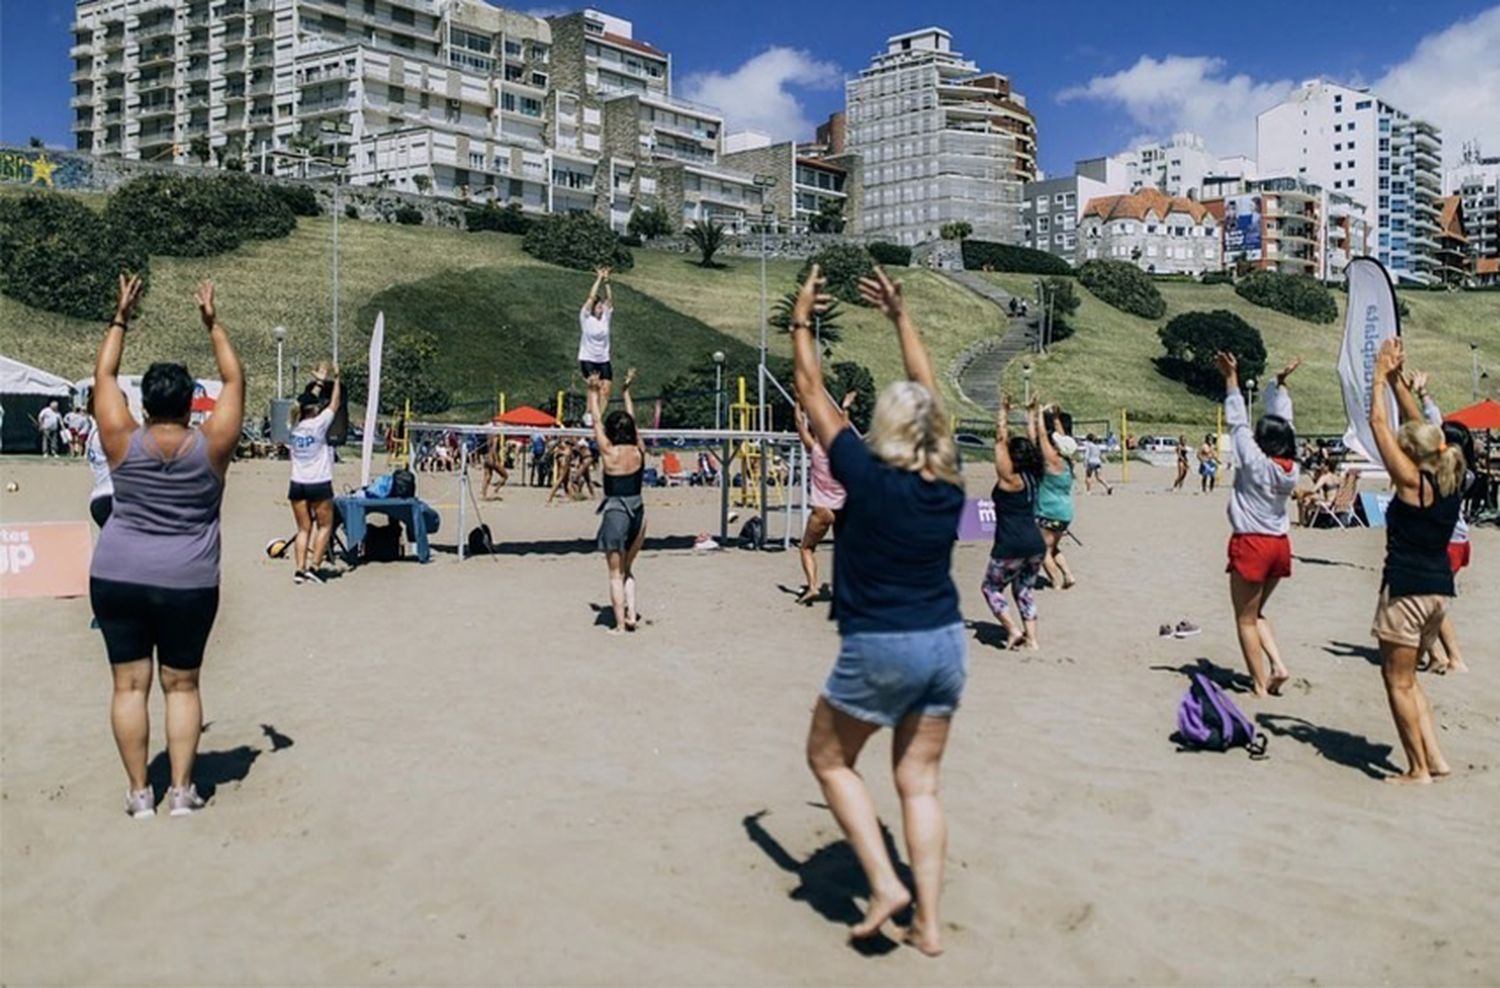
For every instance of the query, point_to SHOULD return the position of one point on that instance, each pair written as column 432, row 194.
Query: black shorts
column 100, row 508
column 589, row 368
column 137, row 620
column 310, row 492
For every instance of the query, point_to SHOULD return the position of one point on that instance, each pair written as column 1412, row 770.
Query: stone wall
column 778, row 245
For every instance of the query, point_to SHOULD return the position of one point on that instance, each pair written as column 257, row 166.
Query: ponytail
column 1450, row 470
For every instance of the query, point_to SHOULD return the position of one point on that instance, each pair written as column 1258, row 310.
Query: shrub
column 351, row 211
column 957, row 230
column 1217, row 278
column 890, row 255
column 576, row 240
column 57, row 254
column 1192, row 339
column 408, row 215
column 981, row 254
column 1124, row 286
column 491, row 217
column 408, row 372
column 300, row 199
column 708, row 237
column 1295, row 294
column 829, row 327
column 182, row 216
column 843, row 265
column 648, row 222
column 1064, row 301
column 828, row 219
column 845, row 376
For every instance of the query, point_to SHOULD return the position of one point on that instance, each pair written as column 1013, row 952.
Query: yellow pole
column 406, row 450
column 502, row 403
column 1124, row 447
column 559, row 407
column 742, row 391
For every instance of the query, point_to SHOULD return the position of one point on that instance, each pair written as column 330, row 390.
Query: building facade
column 813, row 192
column 1051, row 206
column 1288, row 226
column 1350, row 141
column 1476, row 181
column 1179, row 167
column 452, row 97
column 1158, row 233
column 939, row 142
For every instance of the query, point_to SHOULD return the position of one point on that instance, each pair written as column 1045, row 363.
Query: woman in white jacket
column 1260, row 551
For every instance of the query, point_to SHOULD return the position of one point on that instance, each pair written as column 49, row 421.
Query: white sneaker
column 184, row 802
column 140, row 803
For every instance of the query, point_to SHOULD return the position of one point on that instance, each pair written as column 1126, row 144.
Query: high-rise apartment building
column 939, row 142
column 1476, row 181
column 812, row 191
column 1051, row 206
column 1351, row 141
column 1180, row 166
column 455, row 97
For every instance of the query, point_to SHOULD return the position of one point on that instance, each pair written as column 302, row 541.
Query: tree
column 201, row 148
column 581, row 241
column 422, row 181
column 511, row 219
column 708, row 237
column 59, row 255
column 827, row 326
column 406, row 372
column 192, row 216
column 829, row 218
column 843, row 265
column 845, row 376
column 1124, row 286
column 957, row 230
column 649, row 221
column 1192, row 339
column 1297, row 295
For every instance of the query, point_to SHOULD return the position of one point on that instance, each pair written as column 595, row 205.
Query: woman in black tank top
column 1417, row 582
column 622, row 521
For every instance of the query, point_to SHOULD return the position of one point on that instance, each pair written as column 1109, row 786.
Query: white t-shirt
column 76, row 421
column 593, row 342
column 49, row 419
column 312, row 457
column 1093, row 454
column 104, row 485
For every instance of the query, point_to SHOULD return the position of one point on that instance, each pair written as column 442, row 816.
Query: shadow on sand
column 1349, row 650
column 1225, row 679
column 1340, row 747
column 831, row 879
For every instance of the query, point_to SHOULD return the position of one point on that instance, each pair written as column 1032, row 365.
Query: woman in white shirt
column 102, row 497
column 593, row 325
column 311, row 489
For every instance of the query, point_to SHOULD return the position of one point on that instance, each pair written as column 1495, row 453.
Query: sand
column 451, row 774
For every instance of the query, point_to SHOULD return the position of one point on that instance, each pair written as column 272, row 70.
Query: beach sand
column 451, row 774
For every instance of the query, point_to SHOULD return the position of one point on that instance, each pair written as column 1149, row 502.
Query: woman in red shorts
column 1260, row 552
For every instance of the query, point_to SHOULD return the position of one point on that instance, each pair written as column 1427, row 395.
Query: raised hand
column 1418, row 381
column 1228, row 364
column 1391, row 358
column 850, row 398
column 1286, row 371
column 204, row 296
column 602, row 272
column 629, row 379
column 811, row 299
column 883, row 293
column 130, row 294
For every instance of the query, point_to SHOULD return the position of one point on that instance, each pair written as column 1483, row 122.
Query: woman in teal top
column 1054, row 496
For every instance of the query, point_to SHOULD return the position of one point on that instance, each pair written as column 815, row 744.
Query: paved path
column 979, row 379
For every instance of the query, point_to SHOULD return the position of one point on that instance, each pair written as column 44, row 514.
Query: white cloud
column 1453, row 79
column 758, row 95
column 1178, row 92
column 545, row 12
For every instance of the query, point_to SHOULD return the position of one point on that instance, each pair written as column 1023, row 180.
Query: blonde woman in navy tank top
column 154, row 582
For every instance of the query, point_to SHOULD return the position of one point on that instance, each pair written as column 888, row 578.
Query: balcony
column 82, row 74
column 81, row 49
column 154, row 29
column 262, row 116
column 156, row 55
column 155, row 84
column 81, row 101
column 262, row 87
column 148, row 111
column 199, row 74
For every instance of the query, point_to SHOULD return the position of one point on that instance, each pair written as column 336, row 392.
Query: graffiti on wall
column 38, row 168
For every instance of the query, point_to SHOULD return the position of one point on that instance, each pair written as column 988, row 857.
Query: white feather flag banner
column 1371, row 319
column 372, row 400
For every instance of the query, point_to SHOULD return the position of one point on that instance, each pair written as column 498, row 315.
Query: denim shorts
column 881, row 677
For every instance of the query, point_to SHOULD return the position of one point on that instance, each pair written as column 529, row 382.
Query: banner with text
column 1372, row 318
column 45, row 559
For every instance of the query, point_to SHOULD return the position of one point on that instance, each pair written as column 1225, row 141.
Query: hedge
column 301, row 200
column 181, row 216
column 890, row 255
column 57, row 254
column 1216, row 278
column 491, row 217
column 1192, row 339
column 843, row 265
column 576, row 240
column 408, row 215
column 981, row 254
column 1297, row 295
column 1124, row 286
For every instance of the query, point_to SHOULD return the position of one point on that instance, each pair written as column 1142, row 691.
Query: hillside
column 506, row 321
column 1107, row 365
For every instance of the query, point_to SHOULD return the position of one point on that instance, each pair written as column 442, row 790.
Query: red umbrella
column 1480, row 415
column 203, row 403
column 525, row 415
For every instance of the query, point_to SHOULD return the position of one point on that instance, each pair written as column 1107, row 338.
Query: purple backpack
column 1208, row 719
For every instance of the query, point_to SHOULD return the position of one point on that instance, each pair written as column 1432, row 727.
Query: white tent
column 17, row 378
column 24, row 392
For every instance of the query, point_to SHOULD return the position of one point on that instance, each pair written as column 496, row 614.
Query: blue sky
column 1097, row 75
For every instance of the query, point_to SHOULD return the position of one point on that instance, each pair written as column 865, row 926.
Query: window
column 402, row 15
column 1349, row 163
column 1350, row 184
column 1337, row 165
column 1363, row 104
column 1042, row 202
column 1337, row 128
column 1042, row 224
column 1338, row 147
column 476, row 160
column 1351, row 125
column 1337, row 184
column 1351, row 146
column 396, row 94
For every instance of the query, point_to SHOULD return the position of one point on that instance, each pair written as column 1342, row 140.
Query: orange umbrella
column 1481, row 415
column 526, row 415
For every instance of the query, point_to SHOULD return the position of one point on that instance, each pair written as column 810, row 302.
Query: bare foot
column 1409, row 779
column 929, row 944
column 1069, row 584
column 1278, row 680
column 806, row 597
column 1457, row 665
column 1017, row 642
column 617, row 630
column 1441, row 770
column 1258, row 692
column 883, row 905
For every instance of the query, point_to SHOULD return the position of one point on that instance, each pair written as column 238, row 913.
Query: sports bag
column 1207, row 720
column 403, row 483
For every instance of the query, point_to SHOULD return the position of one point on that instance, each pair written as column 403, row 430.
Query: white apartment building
column 1350, row 141
column 939, row 142
column 1051, row 206
column 1180, row 166
column 1288, row 226
column 1476, row 181
column 1158, row 233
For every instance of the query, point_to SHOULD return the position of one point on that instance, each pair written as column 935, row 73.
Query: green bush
column 648, row 222
column 1216, row 278
column 59, row 255
column 1297, row 295
column 890, row 255
column 1192, row 339
column 491, row 217
column 843, row 265
column 181, row 216
column 351, row 211
column 980, row 255
column 957, row 230
column 300, row 199
column 1063, row 300
column 408, row 373
column 576, row 240
column 408, row 215
column 1124, row 286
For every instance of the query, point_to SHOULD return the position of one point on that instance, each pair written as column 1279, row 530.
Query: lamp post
column 339, row 167
column 1250, row 401
column 718, row 388
column 1474, row 361
column 765, row 183
column 1026, row 384
column 279, row 334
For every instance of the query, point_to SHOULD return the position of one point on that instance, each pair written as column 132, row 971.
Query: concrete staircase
column 977, row 375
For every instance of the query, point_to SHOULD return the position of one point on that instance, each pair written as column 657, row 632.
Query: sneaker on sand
column 140, row 803
column 1186, row 629
column 706, row 543
column 1165, row 631
column 299, row 577
column 184, row 802
column 312, row 576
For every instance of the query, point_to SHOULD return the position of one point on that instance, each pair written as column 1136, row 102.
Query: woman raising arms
column 622, row 521
column 902, row 652
column 826, row 496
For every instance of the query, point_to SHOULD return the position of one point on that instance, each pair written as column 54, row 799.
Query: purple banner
column 978, row 520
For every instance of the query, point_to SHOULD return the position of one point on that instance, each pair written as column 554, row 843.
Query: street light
column 765, row 183
column 1474, row 360
column 718, row 388
column 1026, row 383
column 1250, row 402
column 279, row 334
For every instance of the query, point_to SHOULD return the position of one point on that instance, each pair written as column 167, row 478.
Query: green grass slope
column 1106, row 367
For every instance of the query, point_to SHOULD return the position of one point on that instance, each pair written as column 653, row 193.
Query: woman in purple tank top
column 154, row 582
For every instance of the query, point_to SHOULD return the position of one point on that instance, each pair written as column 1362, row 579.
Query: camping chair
column 1341, row 508
column 671, row 468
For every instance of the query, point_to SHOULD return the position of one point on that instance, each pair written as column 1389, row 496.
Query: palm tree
column 708, row 237
column 826, row 326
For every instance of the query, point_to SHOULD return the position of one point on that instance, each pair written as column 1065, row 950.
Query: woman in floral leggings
column 1016, row 558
